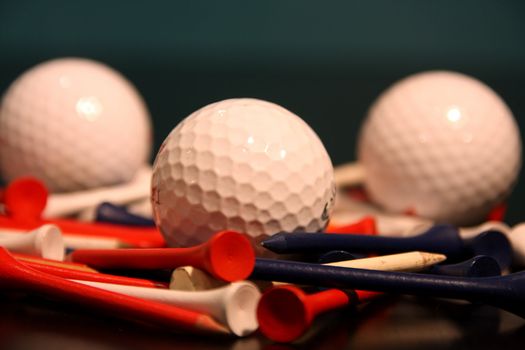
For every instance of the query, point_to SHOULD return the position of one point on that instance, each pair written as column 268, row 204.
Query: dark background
column 324, row 60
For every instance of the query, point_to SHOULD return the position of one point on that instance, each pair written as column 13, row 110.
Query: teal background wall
column 324, row 60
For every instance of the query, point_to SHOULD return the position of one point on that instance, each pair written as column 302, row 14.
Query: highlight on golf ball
column 442, row 145
column 75, row 124
column 241, row 164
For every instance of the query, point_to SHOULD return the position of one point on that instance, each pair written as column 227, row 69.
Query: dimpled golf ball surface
column 442, row 145
column 241, row 164
column 75, row 124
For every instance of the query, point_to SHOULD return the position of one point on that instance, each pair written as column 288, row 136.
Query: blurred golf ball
column 241, row 164
column 440, row 144
column 75, row 124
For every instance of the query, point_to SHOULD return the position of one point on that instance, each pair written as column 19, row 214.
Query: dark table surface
column 394, row 322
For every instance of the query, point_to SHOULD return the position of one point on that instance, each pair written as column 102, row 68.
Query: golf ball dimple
column 75, row 124
column 241, row 164
column 440, row 144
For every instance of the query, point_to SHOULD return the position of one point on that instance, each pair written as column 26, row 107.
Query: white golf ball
column 75, row 124
column 241, row 164
column 440, row 144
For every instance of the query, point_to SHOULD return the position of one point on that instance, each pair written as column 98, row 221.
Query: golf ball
column 75, row 124
column 241, row 164
column 441, row 145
